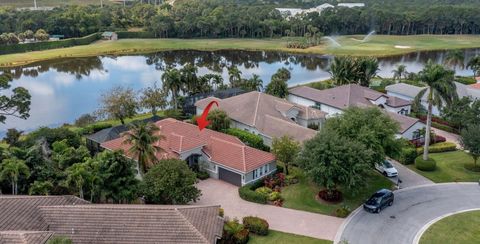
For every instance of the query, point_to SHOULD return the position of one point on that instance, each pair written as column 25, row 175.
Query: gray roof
column 24, row 237
column 405, row 122
column 412, row 91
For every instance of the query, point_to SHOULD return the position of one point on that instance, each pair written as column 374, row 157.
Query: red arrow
column 202, row 121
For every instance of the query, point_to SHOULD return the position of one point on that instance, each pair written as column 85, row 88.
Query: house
column 268, row 116
column 56, row 37
column 223, row 156
column 37, row 219
column 295, row 11
column 409, row 92
column 351, row 5
column 333, row 101
column 94, row 140
column 108, row 35
column 189, row 102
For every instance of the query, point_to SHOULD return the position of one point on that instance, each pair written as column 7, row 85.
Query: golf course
column 355, row 45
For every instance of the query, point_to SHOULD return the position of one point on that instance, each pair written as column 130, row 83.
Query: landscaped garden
column 277, row 237
column 460, row 228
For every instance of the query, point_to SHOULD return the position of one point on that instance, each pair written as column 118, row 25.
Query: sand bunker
column 402, row 47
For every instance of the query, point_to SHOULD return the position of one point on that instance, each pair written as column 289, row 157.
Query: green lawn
column 460, row 228
column 301, row 196
column 277, row 237
column 379, row 45
column 450, row 168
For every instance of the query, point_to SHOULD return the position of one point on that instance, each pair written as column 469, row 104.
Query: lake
column 64, row 89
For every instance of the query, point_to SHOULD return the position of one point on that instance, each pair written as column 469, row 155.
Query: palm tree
column 341, row 70
column 254, row 83
column 144, row 144
column 399, row 72
column 11, row 169
column 474, row 64
column 172, row 82
column 234, row 76
column 189, row 77
column 78, row 176
column 455, row 58
column 441, row 88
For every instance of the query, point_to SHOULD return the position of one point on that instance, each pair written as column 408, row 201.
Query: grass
column 380, row 45
column 301, row 196
column 460, row 228
column 49, row 3
column 450, row 168
column 277, row 237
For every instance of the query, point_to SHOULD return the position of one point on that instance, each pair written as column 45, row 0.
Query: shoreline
column 378, row 46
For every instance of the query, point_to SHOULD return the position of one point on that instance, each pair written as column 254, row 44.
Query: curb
column 419, row 234
column 344, row 224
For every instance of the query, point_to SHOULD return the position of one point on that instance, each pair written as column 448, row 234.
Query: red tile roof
column 222, row 149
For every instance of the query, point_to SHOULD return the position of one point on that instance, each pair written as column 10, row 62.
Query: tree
column 369, row 126
column 143, row 139
column 118, row 103
column 455, row 58
column 219, row 120
column 17, row 104
column 41, row 35
column 470, row 140
column 78, row 176
column 347, row 70
column 11, row 169
column 282, row 74
column 234, row 76
column 12, row 137
column 440, row 89
column 85, row 119
column 153, row 98
column 367, row 68
column 285, row 149
column 278, row 88
column 399, row 72
column 474, row 64
column 40, row 188
column 252, row 84
column 172, row 82
column 462, row 112
column 332, row 160
column 170, row 182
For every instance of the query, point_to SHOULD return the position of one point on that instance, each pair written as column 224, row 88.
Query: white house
column 351, row 5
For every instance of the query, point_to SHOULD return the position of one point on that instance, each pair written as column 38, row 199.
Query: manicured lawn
column 460, row 228
column 277, row 237
column 301, row 196
column 379, row 45
column 450, row 168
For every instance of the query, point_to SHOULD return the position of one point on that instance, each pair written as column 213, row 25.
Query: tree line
column 219, row 19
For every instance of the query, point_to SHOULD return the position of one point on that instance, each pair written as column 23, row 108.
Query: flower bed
column 268, row 190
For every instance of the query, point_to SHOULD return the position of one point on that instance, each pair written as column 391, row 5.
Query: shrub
column 279, row 169
column 444, row 127
column 439, row 147
column 273, row 196
column 173, row 113
column 202, row 175
column 342, row 212
column 291, row 179
column 93, row 128
column 247, row 193
column 248, row 138
column 263, row 190
column 425, row 165
column 256, row 225
column 241, row 237
column 407, row 155
column 234, row 232
column 465, row 80
column 221, row 212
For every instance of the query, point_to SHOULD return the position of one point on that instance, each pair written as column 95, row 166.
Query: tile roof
column 105, row 223
column 21, row 212
column 345, row 96
column 223, row 149
column 24, row 237
column 412, row 91
column 255, row 109
column 405, row 122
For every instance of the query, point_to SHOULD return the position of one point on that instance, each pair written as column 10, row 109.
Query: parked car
column 378, row 201
column 386, row 168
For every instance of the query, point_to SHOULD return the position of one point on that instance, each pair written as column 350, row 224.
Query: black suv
column 378, row 201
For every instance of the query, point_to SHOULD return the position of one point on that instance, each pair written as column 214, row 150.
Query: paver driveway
column 282, row 219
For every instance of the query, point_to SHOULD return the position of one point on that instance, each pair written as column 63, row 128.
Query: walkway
column 414, row 207
column 282, row 219
column 449, row 136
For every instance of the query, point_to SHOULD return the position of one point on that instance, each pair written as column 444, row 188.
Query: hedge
column 247, row 193
column 256, row 225
column 439, row 147
column 465, row 80
column 135, row 34
column 444, row 127
column 425, row 165
column 248, row 138
column 38, row 46
column 407, row 155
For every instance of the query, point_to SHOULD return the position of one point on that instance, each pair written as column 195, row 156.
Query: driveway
column 450, row 137
column 414, row 207
column 408, row 177
column 283, row 219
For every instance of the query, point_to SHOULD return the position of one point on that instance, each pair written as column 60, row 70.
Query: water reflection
column 64, row 89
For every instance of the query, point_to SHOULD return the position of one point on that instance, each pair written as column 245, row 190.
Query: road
column 414, row 207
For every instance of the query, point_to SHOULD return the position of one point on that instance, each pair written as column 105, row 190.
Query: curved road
column 413, row 208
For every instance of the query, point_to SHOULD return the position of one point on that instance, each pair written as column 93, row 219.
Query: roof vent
column 73, row 231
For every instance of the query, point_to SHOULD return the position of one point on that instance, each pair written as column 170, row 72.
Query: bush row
column 407, row 155
column 248, row 138
column 439, row 147
column 247, row 193
column 444, row 127
column 135, row 34
column 465, row 80
column 38, row 46
column 425, row 165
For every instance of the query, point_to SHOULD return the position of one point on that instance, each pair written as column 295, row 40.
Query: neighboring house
column 333, row 101
column 56, row 37
column 93, row 141
column 288, row 12
column 409, row 92
column 351, row 5
column 108, row 35
column 189, row 102
column 223, row 156
column 268, row 116
column 36, row 219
